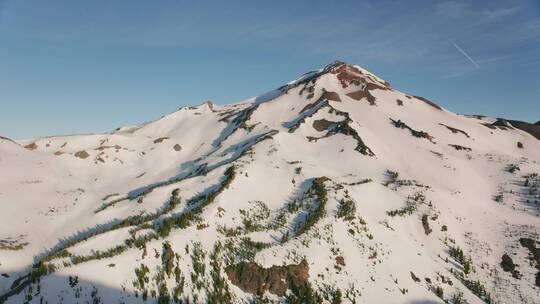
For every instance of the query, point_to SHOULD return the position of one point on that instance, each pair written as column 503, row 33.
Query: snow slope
column 387, row 197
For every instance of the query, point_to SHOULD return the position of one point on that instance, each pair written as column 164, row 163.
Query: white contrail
column 465, row 54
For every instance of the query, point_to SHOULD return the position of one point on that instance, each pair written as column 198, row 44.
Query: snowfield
column 335, row 188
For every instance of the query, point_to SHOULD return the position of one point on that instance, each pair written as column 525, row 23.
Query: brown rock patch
column 255, row 279
column 350, row 75
column 357, row 95
column 160, row 140
column 322, row 124
column 101, row 148
column 31, row 146
column 58, row 153
column 340, row 261
column 177, row 147
column 330, row 96
column 13, row 243
column 82, row 154
column 210, row 105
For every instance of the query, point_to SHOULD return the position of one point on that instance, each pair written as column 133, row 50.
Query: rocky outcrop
column 322, row 124
column 460, row 148
column 420, row 134
column 504, row 124
column 31, row 146
column 344, row 127
column 350, row 75
column 455, row 130
column 533, row 129
column 82, row 154
column 327, row 95
column 429, row 102
column 160, row 140
column 255, row 279
column 358, row 95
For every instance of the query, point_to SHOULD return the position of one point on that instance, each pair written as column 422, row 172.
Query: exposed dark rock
column 13, row 245
column 340, row 261
column 255, row 279
column 429, row 102
column 344, row 127
column 307, row 111
column 210, row 105
column 238, row 122
column 533, row 129
column 241, row 120
column 490, row 126
column 357, row 95
column 420, row 134
column 503, row 124
column 17, row 282
column 414, row 277
column 350, row 75
column 8, row 139
column 460, row 148
column 399, row 102
column 116, row 147
column 160, row 140
column 507, row 264
column 455, row 130
column 312, row 76
column 177, row 147
column 31, row 146
column 313, row 104
column 534, row 252
column 330, row 96
column 322, row 124
column 425, row 224
column 82, row 154
column 520, row 145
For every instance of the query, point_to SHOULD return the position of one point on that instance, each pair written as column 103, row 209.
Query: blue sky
column 91, row 66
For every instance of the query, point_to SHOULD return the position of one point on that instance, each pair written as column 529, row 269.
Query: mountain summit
column 333, row 188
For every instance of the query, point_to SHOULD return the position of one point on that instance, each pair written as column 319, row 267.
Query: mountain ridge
column 335, row 185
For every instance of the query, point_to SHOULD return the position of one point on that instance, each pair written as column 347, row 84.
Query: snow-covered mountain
column 333, row 188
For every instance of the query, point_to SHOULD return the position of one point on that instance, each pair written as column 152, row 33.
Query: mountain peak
column 352, row 74
column 314, row 185
column 349, row 77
